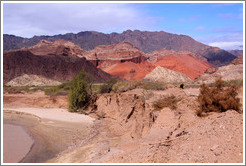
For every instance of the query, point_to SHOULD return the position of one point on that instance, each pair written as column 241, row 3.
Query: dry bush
column 169, row 101
column 218, row 98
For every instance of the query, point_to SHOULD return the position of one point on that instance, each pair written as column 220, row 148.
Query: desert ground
column 126, row 129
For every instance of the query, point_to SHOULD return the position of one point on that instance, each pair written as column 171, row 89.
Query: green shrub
column 78, row 93
column 107, row 87
column 218, row 98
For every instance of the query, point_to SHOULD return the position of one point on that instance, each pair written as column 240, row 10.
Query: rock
column 32, row 80
column 161, row 74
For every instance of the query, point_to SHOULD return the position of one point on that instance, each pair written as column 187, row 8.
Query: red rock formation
column 106, row 55
column 59, row 47
column 237, row 61
column 130, row 70
column 187, row 64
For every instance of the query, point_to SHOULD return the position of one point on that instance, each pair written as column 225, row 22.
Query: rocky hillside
column 58, row 67
column 144, row 40
column 161, row 74
column 58, row 47
column 184, row 63
column 130, row 70
column 233, row 71
column 105, row 55
column 30, row 80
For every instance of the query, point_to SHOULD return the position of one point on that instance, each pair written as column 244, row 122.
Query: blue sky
column 215, row 24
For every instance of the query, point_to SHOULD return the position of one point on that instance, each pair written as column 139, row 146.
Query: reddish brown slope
column 58, row 47
column 130, row 70
column 183, row 63
column 62, row 68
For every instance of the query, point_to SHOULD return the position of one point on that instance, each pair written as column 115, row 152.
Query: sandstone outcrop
column 125, row 114
column 227, row 73
column 32, row 80
column 58, row 47
column 106, row 55
column 161, row 74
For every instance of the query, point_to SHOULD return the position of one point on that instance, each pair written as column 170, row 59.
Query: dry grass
column 169, row 101
column 218, row 98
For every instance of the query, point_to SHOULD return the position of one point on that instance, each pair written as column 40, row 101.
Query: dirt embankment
column 169, row 135
column 132, row 131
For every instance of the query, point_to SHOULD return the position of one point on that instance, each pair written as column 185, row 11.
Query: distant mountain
column 236, row 52
column 144, row 40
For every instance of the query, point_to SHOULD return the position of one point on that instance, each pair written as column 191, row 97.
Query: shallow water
column 16, row 143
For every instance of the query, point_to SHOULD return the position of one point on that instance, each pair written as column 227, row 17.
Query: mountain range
column 145, row 41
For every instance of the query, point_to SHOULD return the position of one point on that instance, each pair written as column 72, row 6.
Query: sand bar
column 58, row 114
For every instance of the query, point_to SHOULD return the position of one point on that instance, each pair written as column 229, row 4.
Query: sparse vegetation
column 125, row 86
column 130, row 85
column 107, row 87
column 21, row 89
column 169, row 101
column 61, row 89
column 218, row 98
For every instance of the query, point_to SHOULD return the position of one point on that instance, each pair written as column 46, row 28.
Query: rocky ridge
column 56, row 67
column 144, row 40
column 233, row 71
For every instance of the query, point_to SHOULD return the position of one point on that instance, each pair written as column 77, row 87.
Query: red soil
column 186, row 64
column 130, row 70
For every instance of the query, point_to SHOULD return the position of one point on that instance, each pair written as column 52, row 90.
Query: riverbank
column 52, row 134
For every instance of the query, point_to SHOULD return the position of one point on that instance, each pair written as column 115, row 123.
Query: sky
column 214, row 24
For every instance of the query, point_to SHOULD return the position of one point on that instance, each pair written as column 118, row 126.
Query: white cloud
column 230, row 40
column 27, row 19
column 227, row 45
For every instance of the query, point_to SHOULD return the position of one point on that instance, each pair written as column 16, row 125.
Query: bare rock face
column 125, row 114
column 157, row 54
column 229, row 72
column 161, row 74
column 58, row 47
column 106, row 55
